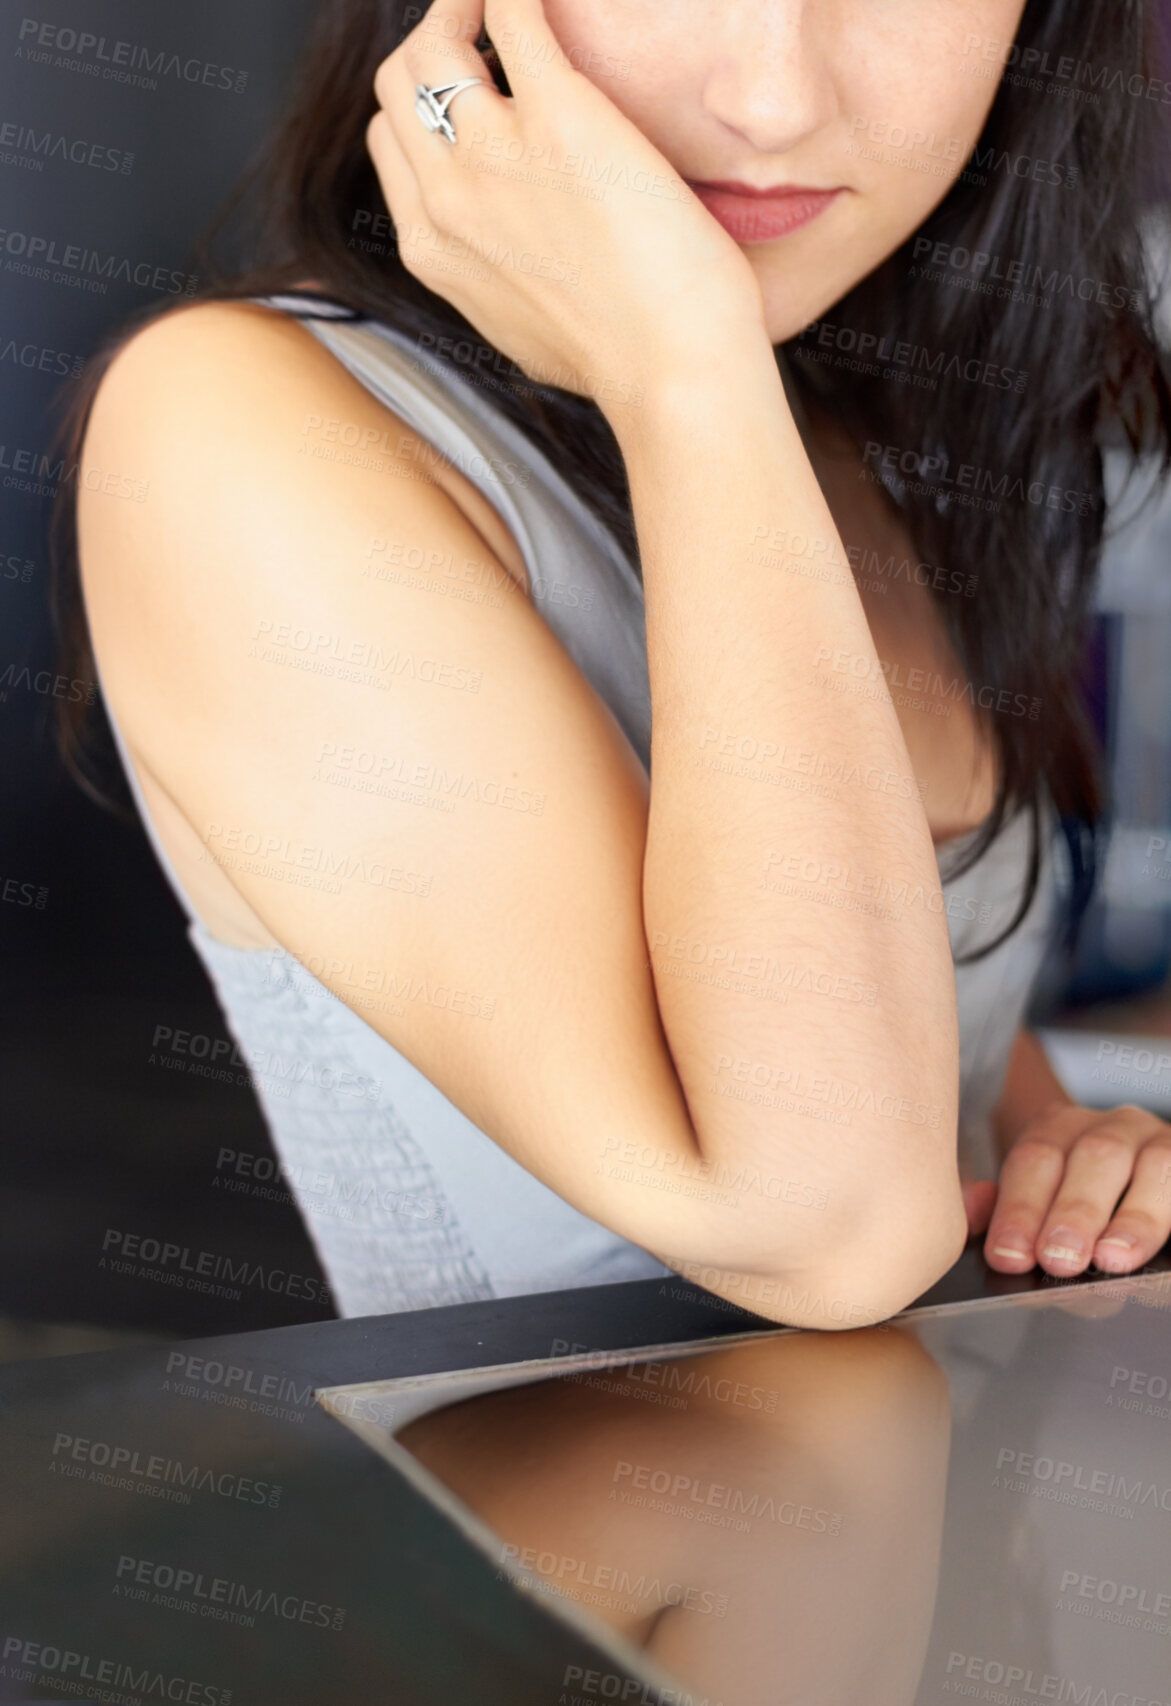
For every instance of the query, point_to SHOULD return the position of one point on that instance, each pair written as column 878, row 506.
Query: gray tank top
column 408, row 1203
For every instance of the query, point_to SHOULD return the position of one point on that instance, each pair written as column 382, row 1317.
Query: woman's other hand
column 552, row 224
column 1078, row 1186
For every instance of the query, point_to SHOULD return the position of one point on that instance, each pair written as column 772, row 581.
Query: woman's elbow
column 862, row 1266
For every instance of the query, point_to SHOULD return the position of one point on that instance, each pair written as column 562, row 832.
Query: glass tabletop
column 973, row 1501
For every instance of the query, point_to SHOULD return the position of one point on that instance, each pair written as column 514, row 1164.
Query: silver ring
column 432, row 111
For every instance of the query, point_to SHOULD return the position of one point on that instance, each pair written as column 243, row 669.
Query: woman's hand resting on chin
column 552, row 224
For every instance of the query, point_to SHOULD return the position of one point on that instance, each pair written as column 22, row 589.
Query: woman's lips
column 757, row 216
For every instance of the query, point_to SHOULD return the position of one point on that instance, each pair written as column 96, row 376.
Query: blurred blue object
column 1124, row 946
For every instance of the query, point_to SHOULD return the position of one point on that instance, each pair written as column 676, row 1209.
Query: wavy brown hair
column 1095, row 373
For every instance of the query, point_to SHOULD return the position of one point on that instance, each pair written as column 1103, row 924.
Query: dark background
column 95, row 1135
column 98, row 1134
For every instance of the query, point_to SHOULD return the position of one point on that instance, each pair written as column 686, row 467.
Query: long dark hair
column 1031, row 267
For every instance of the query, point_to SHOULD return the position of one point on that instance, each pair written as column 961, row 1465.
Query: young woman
column 598, row 649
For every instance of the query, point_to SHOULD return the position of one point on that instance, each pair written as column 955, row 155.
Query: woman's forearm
column 791, row 893
column 1030, row 1086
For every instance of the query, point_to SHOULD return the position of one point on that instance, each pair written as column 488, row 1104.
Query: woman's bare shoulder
column 192, row 329
column 205, row 415
column 218, row 387
column 234, row 355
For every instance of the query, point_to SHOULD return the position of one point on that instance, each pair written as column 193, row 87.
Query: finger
column 1029, row 1177
column 1097, row 1170
column 524, row 41
column 447, row 33
column 979, row 1198
column 400, row 189
column 441, row 50
column 1141, row 1223
column 1028, row 1183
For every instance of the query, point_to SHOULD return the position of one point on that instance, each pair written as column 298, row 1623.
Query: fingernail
column 1064, row 1253
column 1064, row 1246
column 1118, row 1248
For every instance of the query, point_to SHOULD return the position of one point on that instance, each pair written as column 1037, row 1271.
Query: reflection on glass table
column 974, row 1501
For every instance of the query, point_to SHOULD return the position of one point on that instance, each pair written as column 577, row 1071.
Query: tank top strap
column 310, row 305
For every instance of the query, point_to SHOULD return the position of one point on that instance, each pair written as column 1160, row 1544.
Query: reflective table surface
column 972, row 1502
column 631, row 1494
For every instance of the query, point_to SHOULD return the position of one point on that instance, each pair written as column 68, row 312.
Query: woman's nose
column 770, row 72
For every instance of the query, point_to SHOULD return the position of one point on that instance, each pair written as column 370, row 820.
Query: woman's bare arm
column 1030, row 1088
column 788, row 853
column 249, row 653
